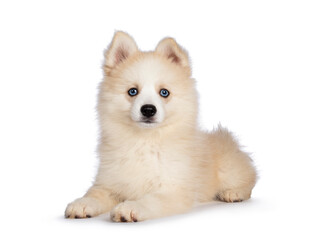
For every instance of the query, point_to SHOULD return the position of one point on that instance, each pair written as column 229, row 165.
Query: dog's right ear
column 120, row 49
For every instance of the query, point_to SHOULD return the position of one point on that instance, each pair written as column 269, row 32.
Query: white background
column 257, row 64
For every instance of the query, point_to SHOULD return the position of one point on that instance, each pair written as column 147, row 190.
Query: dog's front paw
column 128, row 211
column 85, row 207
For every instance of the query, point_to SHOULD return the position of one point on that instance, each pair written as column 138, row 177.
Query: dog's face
column 147, row 89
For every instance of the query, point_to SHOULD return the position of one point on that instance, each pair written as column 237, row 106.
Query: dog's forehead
column 149, row 70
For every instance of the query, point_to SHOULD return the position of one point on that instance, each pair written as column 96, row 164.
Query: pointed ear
column 120, row 49
column 169, row 48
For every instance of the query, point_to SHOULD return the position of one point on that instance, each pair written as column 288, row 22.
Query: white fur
column 148, row 171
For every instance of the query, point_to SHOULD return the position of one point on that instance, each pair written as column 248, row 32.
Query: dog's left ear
column 171, row 50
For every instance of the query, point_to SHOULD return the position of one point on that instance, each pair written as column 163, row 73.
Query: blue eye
column 133, row 91
column 164, row 93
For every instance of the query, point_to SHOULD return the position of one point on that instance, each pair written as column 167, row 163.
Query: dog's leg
column 234, row 169
column 236, row 176
column 153, row 205
column 96, row 201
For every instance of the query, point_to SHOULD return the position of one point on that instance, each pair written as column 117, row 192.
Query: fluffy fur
column 158, row 168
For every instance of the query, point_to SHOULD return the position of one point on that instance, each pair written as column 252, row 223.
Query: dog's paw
column 232, row 196
column 85, row 207
column 128, row 211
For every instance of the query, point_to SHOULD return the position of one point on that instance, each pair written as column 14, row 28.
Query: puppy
column 154, row 161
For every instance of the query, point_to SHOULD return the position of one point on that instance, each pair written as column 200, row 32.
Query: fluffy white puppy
column 154, row 161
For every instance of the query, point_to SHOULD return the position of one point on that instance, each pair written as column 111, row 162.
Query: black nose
column 148, row 110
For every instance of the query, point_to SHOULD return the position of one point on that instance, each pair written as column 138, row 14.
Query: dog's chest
column 137, row 170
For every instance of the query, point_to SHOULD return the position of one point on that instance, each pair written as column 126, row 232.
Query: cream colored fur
column 149, row 171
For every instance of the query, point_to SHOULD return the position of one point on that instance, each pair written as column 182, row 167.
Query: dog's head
column 147, row 89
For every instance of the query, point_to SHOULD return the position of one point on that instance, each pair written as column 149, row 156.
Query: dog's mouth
column 147, row 122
